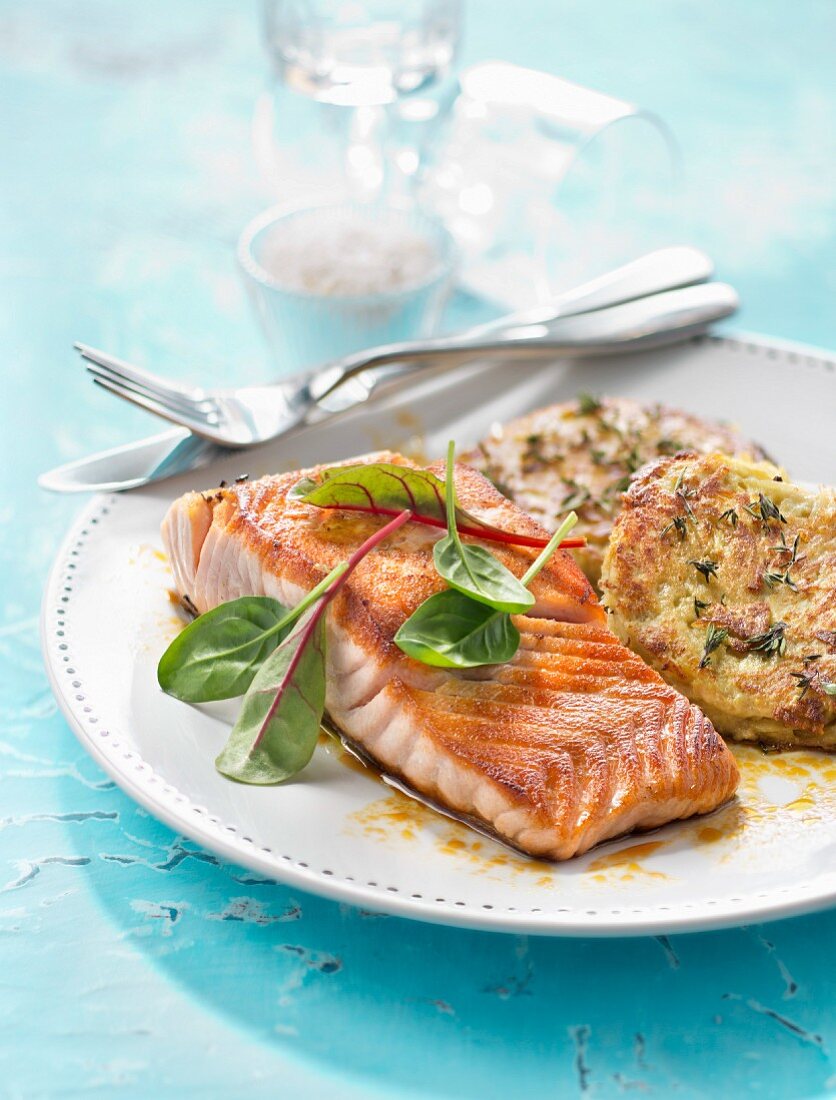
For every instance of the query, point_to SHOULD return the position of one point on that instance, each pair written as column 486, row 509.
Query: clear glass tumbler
column 350, row 81
column 545, row 183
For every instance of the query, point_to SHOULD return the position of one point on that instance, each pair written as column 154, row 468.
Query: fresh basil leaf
column 217, row 655
column 277, row 729
column 450, row 630
column 376, row 485
column 474, row 570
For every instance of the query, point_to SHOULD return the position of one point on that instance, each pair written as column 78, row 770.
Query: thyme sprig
column 678, row 524
column 533, row 453
column 775, row 576
column 772, row 578
column 683, row 492
column 731, row 517
column 707, row 567
column 682, row 495
column 577, row 496
column 769, row 510
column 588, row 404
column 669, row 446
column 811, row 677
column 765, row 510
column 783, row 548
column 714, row 638
column 772, row 643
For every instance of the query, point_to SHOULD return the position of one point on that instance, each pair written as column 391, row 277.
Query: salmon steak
column 573, row 741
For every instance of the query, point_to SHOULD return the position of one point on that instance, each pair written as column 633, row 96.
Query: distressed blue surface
column 131, row 963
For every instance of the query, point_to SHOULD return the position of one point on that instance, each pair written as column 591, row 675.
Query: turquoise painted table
column 133, row 964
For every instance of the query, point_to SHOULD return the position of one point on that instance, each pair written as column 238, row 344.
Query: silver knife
column 176, row 451
column 133, row 464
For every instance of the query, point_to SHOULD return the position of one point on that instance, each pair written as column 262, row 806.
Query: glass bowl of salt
column 330, row 280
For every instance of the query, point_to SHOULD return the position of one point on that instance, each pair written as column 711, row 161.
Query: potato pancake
column 722, row 576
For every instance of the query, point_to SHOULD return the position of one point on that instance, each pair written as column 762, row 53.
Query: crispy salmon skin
column 573, row 741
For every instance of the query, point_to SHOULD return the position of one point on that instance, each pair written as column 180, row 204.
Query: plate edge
column 380, row 899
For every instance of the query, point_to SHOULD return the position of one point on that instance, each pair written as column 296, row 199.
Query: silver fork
column 633, row 307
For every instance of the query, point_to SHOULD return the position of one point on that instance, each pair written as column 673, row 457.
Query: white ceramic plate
column 338, row 831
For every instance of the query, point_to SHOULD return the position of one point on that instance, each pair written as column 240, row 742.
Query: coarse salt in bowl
column 330, row 280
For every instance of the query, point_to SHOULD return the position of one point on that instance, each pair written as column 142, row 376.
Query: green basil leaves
column 218, row 654
column 451, row 630
column 277, row 729
column 473, row 570
column 470, row 624
column 385, row 489
column 252, row 645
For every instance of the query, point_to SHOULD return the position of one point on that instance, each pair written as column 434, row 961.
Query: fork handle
column 651, row 321
column 658, row 271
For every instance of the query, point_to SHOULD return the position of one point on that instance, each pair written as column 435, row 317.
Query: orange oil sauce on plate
column 778, row 794
column 752, row 815
column 626, row 864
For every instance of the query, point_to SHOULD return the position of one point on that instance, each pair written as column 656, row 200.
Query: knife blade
column 177, row 451
column 133, row 464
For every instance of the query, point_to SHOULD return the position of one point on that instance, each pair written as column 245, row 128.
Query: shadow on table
column 474, row 1014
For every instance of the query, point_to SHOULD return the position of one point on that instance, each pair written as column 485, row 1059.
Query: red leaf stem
column 487, row 534
column 319, row 610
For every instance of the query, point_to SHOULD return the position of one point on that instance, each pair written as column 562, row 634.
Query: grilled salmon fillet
column 573, row 741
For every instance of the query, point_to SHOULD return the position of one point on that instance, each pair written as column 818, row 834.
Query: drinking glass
column 353, row 83
column 545, row 183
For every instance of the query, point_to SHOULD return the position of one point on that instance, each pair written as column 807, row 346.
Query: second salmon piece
column 572, row 742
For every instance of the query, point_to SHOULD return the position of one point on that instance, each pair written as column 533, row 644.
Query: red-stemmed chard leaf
column 277, row 730
column 218, row 654
column 384, row 489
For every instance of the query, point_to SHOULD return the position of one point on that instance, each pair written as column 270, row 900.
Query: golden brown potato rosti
column 722, row 576
column 581, row 455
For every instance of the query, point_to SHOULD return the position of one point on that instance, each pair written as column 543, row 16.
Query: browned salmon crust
column 574, row 741
column 581, row 455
